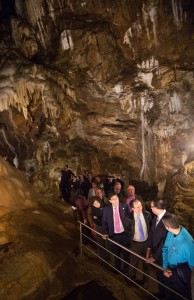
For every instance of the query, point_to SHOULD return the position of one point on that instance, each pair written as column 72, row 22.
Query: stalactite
column 52, row 11
column 19, row 7
column 36, row 15
column 153, row 18
column 149, row 12
column 35, row 10
column 145, row 18
column 143, row 138
column 134, row 31
column 177, row 13
column 175, row 103
column 50, row 108
column 23, row 91
column 15, row 160
column 41, row 33
column 145, row 73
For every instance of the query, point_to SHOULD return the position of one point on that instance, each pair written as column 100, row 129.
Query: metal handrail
column 126, row 249
column 117, row 269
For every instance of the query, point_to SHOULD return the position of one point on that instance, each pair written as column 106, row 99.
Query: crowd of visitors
column 117, row 213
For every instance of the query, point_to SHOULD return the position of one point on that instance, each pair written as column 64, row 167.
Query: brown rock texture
column 39, row 247
column 38, row 243
column 99, row 85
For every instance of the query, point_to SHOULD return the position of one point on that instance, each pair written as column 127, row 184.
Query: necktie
column 117, row 220
column 157, row 220
column 140, row 228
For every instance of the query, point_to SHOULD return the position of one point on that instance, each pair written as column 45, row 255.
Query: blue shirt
column 178, row 249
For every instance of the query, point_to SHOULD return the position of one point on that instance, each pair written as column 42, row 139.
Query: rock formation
column 37, row 243
column 100, row 85
column 39, row 247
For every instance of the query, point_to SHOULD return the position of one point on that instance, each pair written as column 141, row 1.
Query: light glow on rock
column 175, row 103
column 177, row 13
column 66, row 40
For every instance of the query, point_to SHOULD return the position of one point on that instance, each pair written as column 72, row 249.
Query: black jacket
column 108, row 221
column 156, row 239
column 148, row 220
column 97, row 215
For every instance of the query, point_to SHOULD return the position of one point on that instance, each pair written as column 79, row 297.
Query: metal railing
column 128, row 250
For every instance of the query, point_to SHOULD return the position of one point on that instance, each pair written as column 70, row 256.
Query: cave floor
column 119, row 287
column 101, row 277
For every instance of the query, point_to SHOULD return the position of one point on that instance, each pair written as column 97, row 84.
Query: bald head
column 117, row 187
column 131, row 190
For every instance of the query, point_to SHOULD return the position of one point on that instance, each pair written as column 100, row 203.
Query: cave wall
column 100, row 85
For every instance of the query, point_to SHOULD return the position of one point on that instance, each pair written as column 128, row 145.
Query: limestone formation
column 39, row 247
column 100, row 85
column 37, row 243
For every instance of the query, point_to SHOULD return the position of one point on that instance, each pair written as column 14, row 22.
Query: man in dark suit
column 115, row 224
column 65, row 183
column 118, row 190
column 140, row 222
column 156, row 240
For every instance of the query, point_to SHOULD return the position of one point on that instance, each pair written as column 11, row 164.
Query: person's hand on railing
column 167, row 272
column 85, row 221
column 148, row 253
column 150, row 260
column 105, row 236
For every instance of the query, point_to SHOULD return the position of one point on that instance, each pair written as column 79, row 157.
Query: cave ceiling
column 100, row 85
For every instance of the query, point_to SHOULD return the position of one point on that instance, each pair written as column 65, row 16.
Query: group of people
column 71, row 185
column 152, row 233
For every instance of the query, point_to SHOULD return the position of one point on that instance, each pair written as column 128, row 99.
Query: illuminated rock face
column 102, row 86
column 179, row 193
column 15, row 189
column 37, row 242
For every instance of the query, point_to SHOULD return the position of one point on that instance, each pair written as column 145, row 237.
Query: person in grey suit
column 115, row 224
column 156, row 239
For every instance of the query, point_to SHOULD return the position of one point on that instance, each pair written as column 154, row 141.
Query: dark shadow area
column 91, row 290
column 143, row 188
column 7, row 9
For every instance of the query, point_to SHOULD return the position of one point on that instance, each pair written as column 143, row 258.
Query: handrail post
column 81, row 239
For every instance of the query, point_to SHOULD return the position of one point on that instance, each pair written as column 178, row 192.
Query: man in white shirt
column 139, row 226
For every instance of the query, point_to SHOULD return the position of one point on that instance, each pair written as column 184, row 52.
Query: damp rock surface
column 103, row 86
